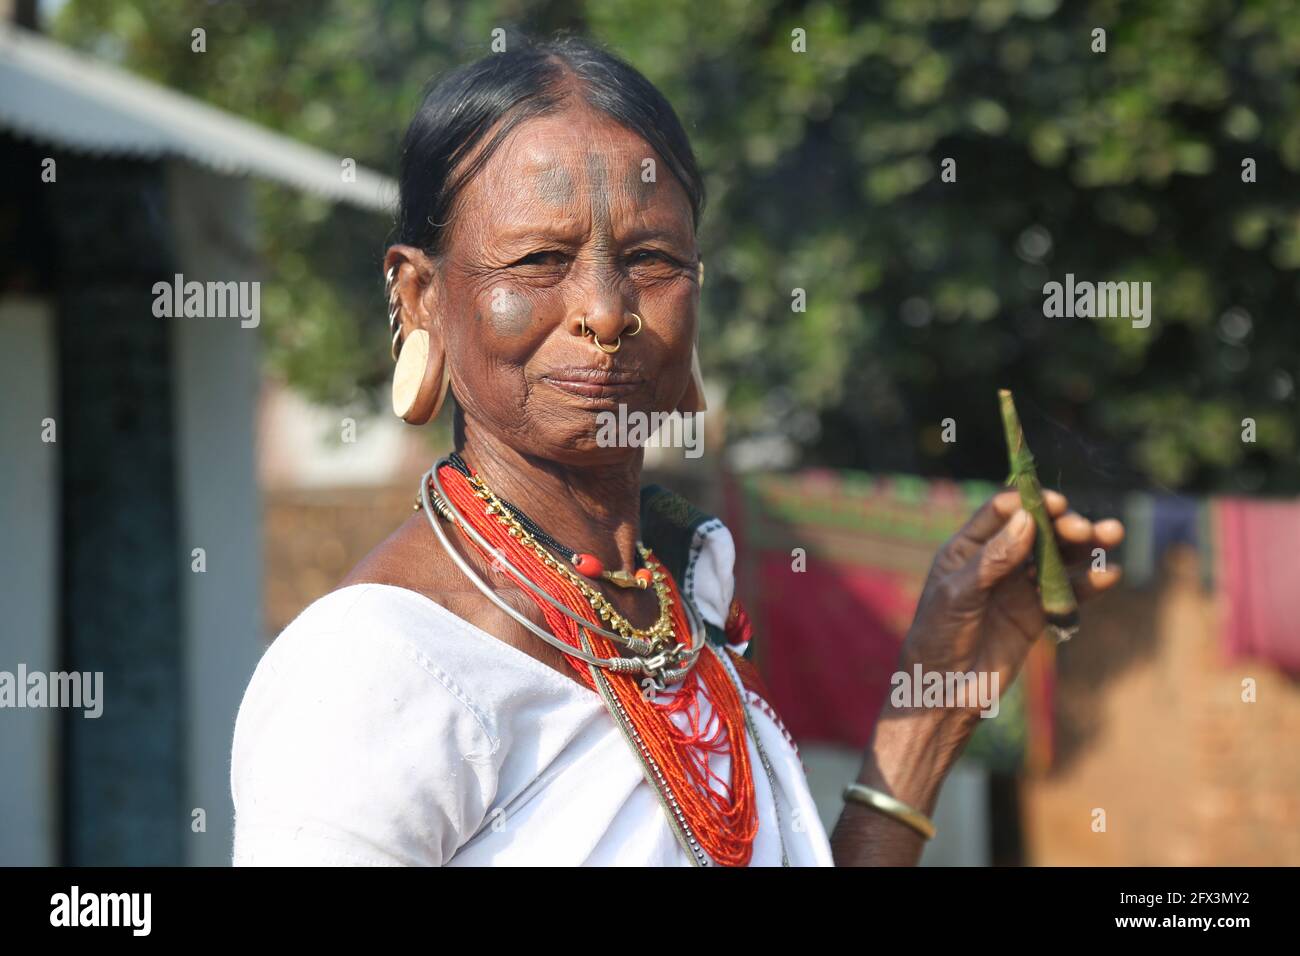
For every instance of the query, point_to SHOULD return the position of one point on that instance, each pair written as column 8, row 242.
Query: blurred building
column 132, row 517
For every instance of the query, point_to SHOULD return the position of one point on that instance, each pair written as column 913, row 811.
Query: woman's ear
column 693, row 398
column 422, row 374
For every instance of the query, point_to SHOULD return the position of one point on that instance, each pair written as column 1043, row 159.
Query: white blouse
column 380, row 729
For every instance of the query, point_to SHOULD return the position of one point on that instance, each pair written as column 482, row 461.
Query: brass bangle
column 890, row 807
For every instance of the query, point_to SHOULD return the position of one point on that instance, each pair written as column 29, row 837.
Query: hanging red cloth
column 1258, row 575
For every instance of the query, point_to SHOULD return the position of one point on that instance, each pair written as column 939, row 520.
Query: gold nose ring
column 638, row 324
column 618, row 340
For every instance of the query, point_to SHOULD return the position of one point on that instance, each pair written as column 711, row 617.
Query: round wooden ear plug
column 418, row 387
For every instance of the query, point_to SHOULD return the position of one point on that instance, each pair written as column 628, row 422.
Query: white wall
column 217, row 382
column 29, row 573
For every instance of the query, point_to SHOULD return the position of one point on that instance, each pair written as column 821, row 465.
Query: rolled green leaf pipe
column 1059, row 604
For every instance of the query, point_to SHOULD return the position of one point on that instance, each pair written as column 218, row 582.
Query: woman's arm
column 978, row 616
column 910, row 754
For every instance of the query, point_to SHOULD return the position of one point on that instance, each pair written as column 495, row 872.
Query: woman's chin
column 585, row 451
column 589, row 435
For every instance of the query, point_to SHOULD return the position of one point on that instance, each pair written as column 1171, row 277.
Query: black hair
column 530, row 79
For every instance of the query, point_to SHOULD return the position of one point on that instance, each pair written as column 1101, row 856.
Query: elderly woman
column 545, row 664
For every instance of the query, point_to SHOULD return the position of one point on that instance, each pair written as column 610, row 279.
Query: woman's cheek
column 674, row 311
column 508, row 313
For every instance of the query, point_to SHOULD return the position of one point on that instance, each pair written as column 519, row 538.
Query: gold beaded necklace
column 659, row 635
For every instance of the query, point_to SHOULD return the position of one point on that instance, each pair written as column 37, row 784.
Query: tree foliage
column 922, row 296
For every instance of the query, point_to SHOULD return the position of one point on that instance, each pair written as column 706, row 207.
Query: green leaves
column 824, row 174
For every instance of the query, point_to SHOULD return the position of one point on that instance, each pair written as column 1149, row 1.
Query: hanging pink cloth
column 1259, row 578
column 833, row 637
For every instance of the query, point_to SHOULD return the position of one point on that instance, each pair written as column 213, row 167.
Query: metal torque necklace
column 658, row 655
column 587, row 565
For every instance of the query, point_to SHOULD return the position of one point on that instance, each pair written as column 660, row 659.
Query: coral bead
column 588, row 565
column 645, row 577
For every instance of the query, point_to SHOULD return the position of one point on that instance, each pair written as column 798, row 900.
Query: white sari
column 380, row 729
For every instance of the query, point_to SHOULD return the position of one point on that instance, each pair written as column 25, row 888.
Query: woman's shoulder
column 374, row 634
column 356, row 742
column 361, row 656
column 377, row 628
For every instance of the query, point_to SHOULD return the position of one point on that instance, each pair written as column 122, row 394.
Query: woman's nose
column 605, row 314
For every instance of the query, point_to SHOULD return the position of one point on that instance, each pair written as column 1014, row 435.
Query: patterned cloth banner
column 833, row 564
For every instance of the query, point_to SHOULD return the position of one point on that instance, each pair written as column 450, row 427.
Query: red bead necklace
column 588, row 565
column 671, row 726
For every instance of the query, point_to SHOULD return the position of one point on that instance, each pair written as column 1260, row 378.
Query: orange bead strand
column 724, row 823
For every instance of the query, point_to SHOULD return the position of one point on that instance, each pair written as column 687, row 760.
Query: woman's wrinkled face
column 574, row 218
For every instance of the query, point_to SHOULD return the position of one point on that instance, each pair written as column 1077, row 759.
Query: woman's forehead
column 573, row 160
column 579, row 139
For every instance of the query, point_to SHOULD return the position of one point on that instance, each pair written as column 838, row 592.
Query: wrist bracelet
column 890, row 807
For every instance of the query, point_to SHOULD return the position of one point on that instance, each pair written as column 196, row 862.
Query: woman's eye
column 544, row 258
column 651, row 257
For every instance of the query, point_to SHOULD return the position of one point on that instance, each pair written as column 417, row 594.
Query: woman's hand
column 980, row 611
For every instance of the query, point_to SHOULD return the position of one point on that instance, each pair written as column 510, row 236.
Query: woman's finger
column 991, row 517
column 1073, row 528
column 1005, row 503
column 1109, row 532
column 1090, row 583
column 1056, row 502
column 1006, row 551
column 1104, row 536
column 994, row 514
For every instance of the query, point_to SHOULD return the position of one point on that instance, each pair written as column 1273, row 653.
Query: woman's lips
column 595, row 382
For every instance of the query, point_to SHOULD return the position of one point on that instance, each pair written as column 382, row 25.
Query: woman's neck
column 596, row 509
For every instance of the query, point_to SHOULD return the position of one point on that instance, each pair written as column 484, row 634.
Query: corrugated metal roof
column 53, row 94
